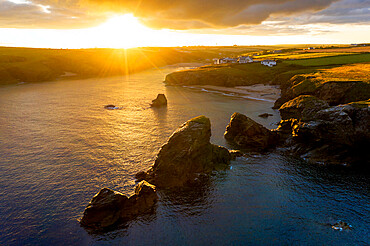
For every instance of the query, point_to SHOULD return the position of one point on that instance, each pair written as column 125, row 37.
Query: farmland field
column 335, row 60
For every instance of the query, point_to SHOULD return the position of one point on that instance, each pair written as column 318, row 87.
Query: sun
column 123, row 31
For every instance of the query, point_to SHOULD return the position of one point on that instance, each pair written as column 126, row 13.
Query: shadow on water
column 188, row 201
column 160, row 114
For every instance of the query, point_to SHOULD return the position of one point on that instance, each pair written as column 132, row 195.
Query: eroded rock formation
column 160, row 101
column 187, row 153
column 108, row 208
column 248, row 134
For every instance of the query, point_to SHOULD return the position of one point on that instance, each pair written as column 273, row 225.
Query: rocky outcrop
column 248, row 134
column 108, row 208
column 160, row 101
column 187, row 153
column 333, row 92
column 302, row 107
column 335, row 135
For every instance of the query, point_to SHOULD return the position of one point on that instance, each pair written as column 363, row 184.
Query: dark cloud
column 343, row 12
column 33, row 15
column 183, row 14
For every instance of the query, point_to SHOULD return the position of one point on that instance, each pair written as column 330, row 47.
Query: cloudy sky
column 128, row 23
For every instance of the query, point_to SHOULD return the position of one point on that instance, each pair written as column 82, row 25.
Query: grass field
column 354, row 72
column 335, row 60
column 37, row 65
column 298, row 56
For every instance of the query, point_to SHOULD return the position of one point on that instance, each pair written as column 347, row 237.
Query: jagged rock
column 108, row 208
column 265, row 115
column 187, row 153
column 332, row 125
column 303, row 107
column 235, row 153
column 104, row 209
column 160, row 101
column 286, row 126
column 341, row 92
column 140, row 176
column 141, row 202
column 334, row 92
column 248, row 134
column 338, row 135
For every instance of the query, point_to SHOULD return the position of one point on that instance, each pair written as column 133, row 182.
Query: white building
column 245, row 59
column 269, row 63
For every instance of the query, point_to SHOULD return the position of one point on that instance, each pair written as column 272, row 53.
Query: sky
column 137, row 23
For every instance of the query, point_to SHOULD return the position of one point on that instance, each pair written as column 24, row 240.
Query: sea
column 59, row 146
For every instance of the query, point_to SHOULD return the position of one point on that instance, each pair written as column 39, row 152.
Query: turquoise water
column 59, row 147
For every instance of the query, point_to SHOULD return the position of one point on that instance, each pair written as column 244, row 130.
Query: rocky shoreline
column 319, row 125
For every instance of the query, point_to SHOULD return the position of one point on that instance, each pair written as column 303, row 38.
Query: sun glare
column 123, row 31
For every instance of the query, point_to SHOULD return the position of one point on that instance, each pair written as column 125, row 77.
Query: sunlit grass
column 359, row 72
column 335, row 60
column 297, row 56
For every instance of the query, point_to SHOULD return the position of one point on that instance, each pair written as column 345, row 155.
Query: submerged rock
column 248, row 134
column 108, row 208
column 110, row 106
column 160, row 101
column 265, row 115
column 341, row 225
column 187, row 153
column 235, row 153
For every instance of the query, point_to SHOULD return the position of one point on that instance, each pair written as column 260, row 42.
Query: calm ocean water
column 59, row 147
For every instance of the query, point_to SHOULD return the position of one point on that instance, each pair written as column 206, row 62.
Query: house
column 225, row 60
column 269, row 63
column 245, row 59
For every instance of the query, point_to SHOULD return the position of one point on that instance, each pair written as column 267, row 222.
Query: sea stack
column 187, row 154
column 160, row 101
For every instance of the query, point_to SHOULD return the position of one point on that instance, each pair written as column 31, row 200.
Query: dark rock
column 160, row 101
column 140, row 176
column 187, row 153
column 341, row 92
column 286, row 126
column 338, row 135
column 110, row 106
column 109, row 208
column 341, row 225
column 141, row 202
column 265, row 115
column 235, row 153
column 303, row 107
column 248, row 134
column 104, row 209
column 331, row 125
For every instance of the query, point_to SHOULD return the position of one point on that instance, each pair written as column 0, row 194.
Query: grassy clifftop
column 254, row 73
column 235, row 74
column 37, row 65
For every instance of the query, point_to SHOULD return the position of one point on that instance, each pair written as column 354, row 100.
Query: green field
column 335, row 60
column 298, row 56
